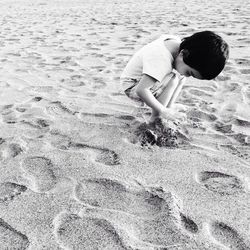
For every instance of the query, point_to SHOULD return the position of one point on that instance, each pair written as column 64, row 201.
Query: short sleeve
column 157, row 62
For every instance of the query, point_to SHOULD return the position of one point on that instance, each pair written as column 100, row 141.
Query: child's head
column 205, row 53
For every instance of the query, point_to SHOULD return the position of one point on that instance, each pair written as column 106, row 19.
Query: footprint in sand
column 28, row 105
column 11, row 238
column 126, row 117
column 221, row 183
column 153, row 214
column 39, row 170
column 13, row 114
column 101, row 155
column 9, row 149
column 223, row 127
column 242, row 122
column 9, row 190
column 228, row 236
column 75, row 232
column 103, row 117
column 242, row 152
column 242, row 139
column 8, row 114
column 21, row 109
column 59, row 140
column 85, row 115
column 112, row 194
column 38, row 123
column 199, row 115
column 58, row 108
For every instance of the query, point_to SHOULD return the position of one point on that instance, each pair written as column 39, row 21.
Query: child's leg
column 176, row 92
column 166, row 94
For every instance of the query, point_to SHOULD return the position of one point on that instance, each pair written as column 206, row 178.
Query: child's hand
column 172, row 115
column 179, row 107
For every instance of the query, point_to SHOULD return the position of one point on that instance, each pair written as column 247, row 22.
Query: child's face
column 184, row 69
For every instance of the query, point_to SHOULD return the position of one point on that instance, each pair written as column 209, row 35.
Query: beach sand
column 74, row 174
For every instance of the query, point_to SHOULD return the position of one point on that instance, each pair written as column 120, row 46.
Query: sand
column 75, row 175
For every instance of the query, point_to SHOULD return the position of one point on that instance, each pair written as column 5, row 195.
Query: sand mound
column 162, row 133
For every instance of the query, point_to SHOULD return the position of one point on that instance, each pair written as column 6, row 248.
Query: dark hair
column 206, row 52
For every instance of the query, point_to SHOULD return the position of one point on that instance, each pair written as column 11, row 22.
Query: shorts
column 129, row 87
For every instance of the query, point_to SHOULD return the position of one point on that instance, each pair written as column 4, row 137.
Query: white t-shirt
column 153, row 59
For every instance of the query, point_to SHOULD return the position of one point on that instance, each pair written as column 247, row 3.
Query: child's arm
column 158, row 106
column 143, row 91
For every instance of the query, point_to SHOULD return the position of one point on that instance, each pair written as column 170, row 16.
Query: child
column 156, row 73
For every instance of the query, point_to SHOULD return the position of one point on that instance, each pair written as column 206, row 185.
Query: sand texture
column 75, row 171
